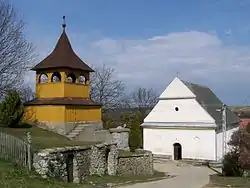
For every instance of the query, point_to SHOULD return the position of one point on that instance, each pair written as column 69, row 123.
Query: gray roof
column 210, row 102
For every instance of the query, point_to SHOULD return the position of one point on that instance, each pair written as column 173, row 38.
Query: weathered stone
column 139, row 163
column 120, row 136
column 99, row 159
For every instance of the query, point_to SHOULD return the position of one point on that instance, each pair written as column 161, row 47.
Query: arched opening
column 177, row 151
column 71, row 78
column 43, row 78
column 82, row 79
column 56, row 77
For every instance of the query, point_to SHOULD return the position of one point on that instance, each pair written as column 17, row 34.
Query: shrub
column 135, row 135
column 107, row 124
column 11, row 110
column 248, row 128
column 231, row 165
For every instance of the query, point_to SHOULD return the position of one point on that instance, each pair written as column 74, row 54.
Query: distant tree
column 143, row 99
column 135, row 134
column 11, row 110
column 105, row 88
column 27, row 94
column 16, row 53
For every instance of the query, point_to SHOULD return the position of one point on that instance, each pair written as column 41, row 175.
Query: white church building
column 186, row 123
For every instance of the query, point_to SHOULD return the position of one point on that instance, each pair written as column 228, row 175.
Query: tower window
column 43, row 78
column 56, row 77
column 71, row 78
column 82, row 80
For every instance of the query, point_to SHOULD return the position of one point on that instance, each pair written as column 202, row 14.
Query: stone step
column 76, row 131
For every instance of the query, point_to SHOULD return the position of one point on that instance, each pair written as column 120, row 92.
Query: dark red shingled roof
column 62, row 101
column 63, row 56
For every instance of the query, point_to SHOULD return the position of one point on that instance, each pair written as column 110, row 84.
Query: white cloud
column 153, row 62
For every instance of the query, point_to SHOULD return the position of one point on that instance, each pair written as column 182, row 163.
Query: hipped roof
column 63, row 56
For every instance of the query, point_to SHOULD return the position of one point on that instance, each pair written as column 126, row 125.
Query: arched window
column 71, row 78
column 43, row 78
column 82, row 79
column 56, row 77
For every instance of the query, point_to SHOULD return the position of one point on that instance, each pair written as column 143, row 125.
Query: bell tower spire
column 64, row 23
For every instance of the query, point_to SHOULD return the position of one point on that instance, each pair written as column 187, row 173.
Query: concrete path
column 187, row 176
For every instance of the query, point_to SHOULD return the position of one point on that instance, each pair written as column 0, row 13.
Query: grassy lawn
column 15, row 177
column 12, row 176
column 220, row 181
column 42, row 138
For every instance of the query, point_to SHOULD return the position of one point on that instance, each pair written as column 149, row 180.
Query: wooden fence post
column 29, row 150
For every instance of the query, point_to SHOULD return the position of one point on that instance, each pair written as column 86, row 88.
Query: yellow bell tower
column 62, row 89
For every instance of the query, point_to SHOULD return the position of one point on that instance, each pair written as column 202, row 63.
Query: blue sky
column 148, row 41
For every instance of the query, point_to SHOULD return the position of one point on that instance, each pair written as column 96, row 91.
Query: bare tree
column 143, row 99
column 16, row 53
column 27, row 94
column 105, row 88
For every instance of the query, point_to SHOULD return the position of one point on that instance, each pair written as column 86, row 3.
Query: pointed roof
column 63, row 56
column 210, row 102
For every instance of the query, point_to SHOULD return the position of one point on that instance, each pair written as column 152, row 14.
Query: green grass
column 12, row 176
column 232, row 181
column 41, row 138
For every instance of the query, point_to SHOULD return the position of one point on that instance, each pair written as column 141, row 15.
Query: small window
column 176, row 109
column 71, row 78
column 82, row 80
column 56, row 77
column 43, row 78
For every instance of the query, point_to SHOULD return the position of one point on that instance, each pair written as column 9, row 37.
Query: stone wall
column 137, row 163
column 98, row 159
column 120, row 136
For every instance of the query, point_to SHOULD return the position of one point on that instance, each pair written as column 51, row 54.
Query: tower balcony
column 62, row 89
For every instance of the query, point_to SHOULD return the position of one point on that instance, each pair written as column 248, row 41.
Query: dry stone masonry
column 86, row 160
column 138, row 163
column 120, row 136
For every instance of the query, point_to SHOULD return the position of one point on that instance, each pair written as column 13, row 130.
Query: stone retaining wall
column 120, row 136
column 137, row 163
column 98, row 159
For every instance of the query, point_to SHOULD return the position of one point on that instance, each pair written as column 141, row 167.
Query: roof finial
column 177, row 74
column 64, row 23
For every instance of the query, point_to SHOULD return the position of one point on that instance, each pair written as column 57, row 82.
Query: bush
column 107, row 124
column 135, row 135
column 248, row 128
column 11, row 110
column 231, row 165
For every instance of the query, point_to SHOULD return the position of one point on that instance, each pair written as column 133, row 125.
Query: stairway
column 86, row 132
column 75, row 131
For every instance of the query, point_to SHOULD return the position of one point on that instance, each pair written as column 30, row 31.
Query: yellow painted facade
column 48, row 113
column 62, row 94
column 61, row 113
column 62, row 89
column 81, row 113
